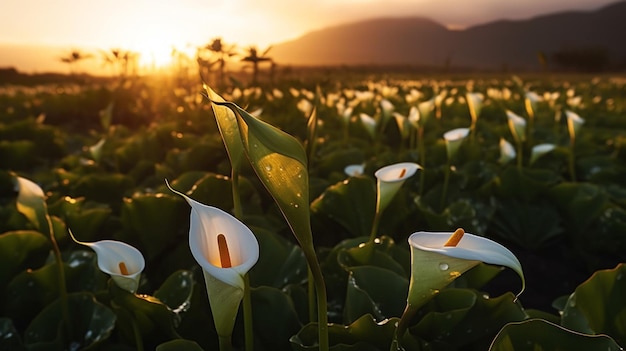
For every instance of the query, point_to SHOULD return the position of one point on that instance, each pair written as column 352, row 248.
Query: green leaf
column 227, row 124
column 280, row 261
column 92, row 323
column 525, row 183
column 153, row 318
column 9, row 336
column 581, row 203
column 279, row 161
column 20, row 250
column 274, row 317
column 366, row 294
column 597, row 306
column 541, row 335
column 176, row 291
column 365, row 334
column 179, row 345
column 154, row 221
column 351, row 203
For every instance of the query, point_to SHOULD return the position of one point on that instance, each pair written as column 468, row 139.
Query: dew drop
column 296, row 205
column 268, row 168
column 444, row 266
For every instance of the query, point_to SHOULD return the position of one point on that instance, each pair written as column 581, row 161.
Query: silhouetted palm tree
column 219, row 54
column 73, row 57
column 122, row 61
column 255, row 58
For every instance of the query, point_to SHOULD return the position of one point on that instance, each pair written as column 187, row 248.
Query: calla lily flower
column 390, row 179
column 454, row 138
column 226, row 249
column 426, row 109
column 31, row 202
column 507, row 152
column 517, row 125
column 123, row 262
column 369, row 123
column 414, row 116
column 574, row 122
column 354, row 170
column 439, row 258
column 540, row 150
column 530, row 102
column 475, row 104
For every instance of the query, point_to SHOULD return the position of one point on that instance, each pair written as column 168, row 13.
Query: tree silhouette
column 121, row 61
column 73, row 57
column 255, row 59
column 219, row 53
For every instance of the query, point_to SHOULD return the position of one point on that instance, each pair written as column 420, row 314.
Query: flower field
column 365, row 213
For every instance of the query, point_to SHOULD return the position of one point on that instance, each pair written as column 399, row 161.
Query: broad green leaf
column 597, row 306
column 462, row 317
column 20, row 250
column 351, row 203
column 581, row 203
column 227, row 124
column 9, row 336
column 155, row 222
column 179, row 345
column 365, row 334
column 176, row 291
column 541, row 335
column 92, row 323
column 153, row 318
column 274, row 317
column 378, row 254
column 279, row 161
column 525, row 183
column 280, row 263
column 367, row 294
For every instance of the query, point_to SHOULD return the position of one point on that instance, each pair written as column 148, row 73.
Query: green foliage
column 153, row 132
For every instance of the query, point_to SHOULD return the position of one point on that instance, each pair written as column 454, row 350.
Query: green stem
column 520, row 150
column 225, row 343
column 311, row 296
column 446, row 180
column 234, row 182
column 422, row 157
column 247, row 314
column 403, row 325
column 136, row 333
column 65, row 308
column 320, row 289
column 572, row 165
column 375, row 226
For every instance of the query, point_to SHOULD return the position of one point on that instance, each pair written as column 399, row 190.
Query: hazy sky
column 155, row 26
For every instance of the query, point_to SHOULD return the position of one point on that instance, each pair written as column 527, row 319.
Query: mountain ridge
column 422, row 41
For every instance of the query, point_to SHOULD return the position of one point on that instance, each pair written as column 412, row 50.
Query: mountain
column 420, row 41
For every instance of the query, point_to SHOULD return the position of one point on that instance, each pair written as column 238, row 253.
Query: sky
column 153, row 27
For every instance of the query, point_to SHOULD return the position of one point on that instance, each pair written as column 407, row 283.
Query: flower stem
column 422, row 157
column 520, row 150
column 444, row 192
column 572, row 166
column 247, row 314
column 320, row 289
column 403, row 324
column 234, row 182
column 65, row 309
column 375, row 226
column 311, row 293
column 225, row 343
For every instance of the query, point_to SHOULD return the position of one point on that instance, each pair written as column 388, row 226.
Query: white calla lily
column 530, row 102
column 540, row 150
column 426, row 109
column 369, row 123
column 31, row 202
column 574, row 122
column 390, row 179
column 507, row 151
column 226, row 249
column 414, row 116
column 453, row 139
column 439, row 258
column 354, row 170
column 123, row 262
column 517, row 125
column 475, row 104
